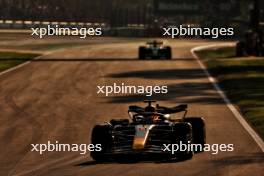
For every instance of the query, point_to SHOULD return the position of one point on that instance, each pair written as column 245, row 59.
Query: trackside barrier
column 18, row 24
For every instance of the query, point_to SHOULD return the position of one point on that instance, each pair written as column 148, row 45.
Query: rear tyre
column 142, row 53
column 198, row 131
column 240, row 49
column 183, row 133
column 168, row 53
column 101, row 134
column 262, row 50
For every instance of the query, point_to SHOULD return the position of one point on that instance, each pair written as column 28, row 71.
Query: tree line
column 74, row 10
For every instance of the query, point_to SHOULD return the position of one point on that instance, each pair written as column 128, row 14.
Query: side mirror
column 182, row 106
column 135, row 108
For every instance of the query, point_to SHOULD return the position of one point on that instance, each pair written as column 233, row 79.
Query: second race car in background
column 154, row 50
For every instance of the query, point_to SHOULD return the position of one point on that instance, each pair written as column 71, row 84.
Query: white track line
column 232, row 108
column 36, row 58
column 23, row 64
column 14, row 68
column 28, row 62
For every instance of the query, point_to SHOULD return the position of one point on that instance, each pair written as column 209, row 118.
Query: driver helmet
column 150, row 109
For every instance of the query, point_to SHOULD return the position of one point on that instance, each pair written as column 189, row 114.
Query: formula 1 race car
column 148, row 133
column 154, row 50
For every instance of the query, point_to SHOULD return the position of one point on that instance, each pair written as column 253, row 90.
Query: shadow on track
column 186, row 92
column 182, row 93
column 92, row 163
column 240, row 160
column 95, row 59
column 234, row 161
column 227, row 161
column 162, row 74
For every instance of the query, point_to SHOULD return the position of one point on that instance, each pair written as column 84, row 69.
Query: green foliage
column 11, row 59
column 243, row 81
column 67, row 10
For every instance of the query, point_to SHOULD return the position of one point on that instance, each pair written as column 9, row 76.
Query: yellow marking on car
column 142, row 132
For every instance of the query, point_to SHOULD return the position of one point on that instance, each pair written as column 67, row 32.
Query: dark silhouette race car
column 154, row 50
column 148, row 133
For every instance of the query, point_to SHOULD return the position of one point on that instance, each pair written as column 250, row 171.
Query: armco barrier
column 12, row 24
column 132, row 31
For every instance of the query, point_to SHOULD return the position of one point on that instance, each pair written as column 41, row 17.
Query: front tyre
column 183, row 134
column 142, row 53
column 198, row 131
column 101, row 134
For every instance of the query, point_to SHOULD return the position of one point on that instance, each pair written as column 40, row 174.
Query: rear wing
column 135, row 109
column 160, row 109
column 154, row 42
column 165, row 110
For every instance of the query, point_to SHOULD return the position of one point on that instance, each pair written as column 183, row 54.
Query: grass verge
column 242, row 79
column 11, row 59
column 50, row 46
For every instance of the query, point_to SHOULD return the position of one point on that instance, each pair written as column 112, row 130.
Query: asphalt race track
column 55, row 98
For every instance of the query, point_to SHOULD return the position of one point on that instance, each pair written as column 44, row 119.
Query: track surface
column 55, row 98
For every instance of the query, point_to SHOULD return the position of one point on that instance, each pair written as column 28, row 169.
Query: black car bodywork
column 146, row 134
column 154, row 50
